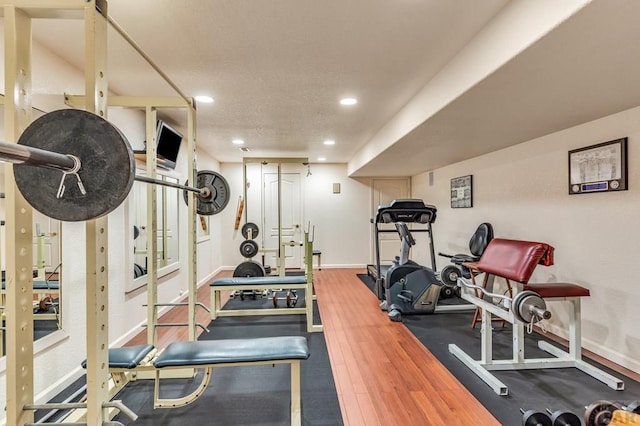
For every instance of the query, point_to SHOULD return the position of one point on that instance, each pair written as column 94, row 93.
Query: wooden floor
column 383, row 374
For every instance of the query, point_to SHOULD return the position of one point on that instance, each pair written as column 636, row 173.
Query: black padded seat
column 301, row 279
column 126, row 357
column 208, row 352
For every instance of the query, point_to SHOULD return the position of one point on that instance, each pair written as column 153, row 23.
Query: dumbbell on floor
column 535, row 418
column 564, row 418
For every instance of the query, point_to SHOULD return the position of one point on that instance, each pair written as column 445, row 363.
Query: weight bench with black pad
column 515, row 261
column 263, row 283
column 210, row 354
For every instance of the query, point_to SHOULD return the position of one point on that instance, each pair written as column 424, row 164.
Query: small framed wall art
column 598, row 168
column 461, row 192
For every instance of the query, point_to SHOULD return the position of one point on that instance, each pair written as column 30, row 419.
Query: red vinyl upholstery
column 514, row 259
column 551, row 290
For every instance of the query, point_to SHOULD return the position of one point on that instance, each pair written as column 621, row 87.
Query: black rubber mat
column 249, row 395
column 556, row 389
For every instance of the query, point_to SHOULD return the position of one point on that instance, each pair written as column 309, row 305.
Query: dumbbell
column 564, row 418
column 535, row 418
column 599, row 413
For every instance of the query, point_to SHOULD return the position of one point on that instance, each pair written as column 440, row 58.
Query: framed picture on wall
column 598, row 168
column 461, row 192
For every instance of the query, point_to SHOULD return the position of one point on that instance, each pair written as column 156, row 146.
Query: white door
column 291, row 213
column 384, row 192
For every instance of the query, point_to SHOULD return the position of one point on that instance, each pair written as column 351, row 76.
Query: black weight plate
column 248, row 248
column 249, row 268
column 250, row 226
column 449, row 275
column 218, row 193
column 107, row 166
column 536, row 418
column 565, row 418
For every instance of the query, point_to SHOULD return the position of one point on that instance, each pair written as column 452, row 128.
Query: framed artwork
column 598, row 168
column 461, row 192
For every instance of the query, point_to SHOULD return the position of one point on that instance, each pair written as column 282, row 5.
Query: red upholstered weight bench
column 515, row 261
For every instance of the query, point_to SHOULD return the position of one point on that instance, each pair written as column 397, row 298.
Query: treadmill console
column 411, row 210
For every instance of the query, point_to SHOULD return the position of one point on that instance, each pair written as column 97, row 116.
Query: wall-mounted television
column 168, row 146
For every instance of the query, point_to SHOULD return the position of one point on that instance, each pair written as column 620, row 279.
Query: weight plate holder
column 218, row 193
column 107, row 166
column 250, row 226
column 249, row 248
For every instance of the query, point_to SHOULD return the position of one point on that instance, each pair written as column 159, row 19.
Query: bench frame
column 562, row 359
column 217, row 311
column 121, row 376
column 296, row 412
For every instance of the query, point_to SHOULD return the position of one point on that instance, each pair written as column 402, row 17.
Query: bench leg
column 296, row 412
column 215, row 303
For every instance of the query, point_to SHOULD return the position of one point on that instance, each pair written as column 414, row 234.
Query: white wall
column 342, row 228
column 522, row 191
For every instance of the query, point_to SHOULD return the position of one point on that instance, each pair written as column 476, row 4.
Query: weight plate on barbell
column 250, row 226
column 249, row 248
column 249, row 268
column 107, row 166
column 219, row 192
column 522, row 304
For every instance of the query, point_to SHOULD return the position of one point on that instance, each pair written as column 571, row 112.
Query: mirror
column 167, row 241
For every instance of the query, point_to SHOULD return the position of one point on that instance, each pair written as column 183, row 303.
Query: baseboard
column 54, row 389
column 599, row 353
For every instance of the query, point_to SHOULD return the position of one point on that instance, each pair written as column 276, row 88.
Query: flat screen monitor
column 168, row 144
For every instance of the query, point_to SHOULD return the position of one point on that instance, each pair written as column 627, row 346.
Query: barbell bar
column 527, row 306
column 96, row 172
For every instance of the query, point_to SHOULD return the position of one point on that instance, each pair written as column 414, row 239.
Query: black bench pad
column 233, row 350
column 259, row 280
column 126, row 357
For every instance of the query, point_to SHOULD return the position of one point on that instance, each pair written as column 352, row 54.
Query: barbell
column 527, row 306
column 73, row 165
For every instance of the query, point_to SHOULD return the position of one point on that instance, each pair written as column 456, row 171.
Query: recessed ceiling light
column 204, row 99
column 322, row 159
column 329, row 142
column 237, row 142
column 348, row 101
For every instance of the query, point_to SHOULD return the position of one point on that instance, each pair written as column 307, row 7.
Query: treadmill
column 410, row 210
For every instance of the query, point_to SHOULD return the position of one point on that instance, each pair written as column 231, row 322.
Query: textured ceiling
column 278, row 68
